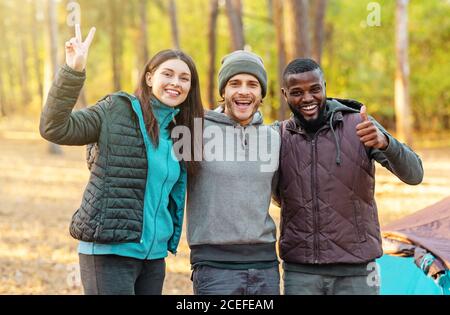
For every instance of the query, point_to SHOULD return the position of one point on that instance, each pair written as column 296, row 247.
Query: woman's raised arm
column 58, row 123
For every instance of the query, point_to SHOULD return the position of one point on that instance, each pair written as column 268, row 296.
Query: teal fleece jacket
column 166, row 179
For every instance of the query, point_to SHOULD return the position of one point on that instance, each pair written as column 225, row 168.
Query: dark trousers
column 117, row 275
column 298, row 283
column 214, row 281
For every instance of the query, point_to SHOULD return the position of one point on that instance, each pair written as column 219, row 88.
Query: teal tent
column 416, row 256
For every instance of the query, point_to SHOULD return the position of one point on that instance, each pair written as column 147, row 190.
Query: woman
column 132, row 208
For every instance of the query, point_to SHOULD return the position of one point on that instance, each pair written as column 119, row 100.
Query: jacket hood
column 218, row 116
column 342, row 105
column 336, row 107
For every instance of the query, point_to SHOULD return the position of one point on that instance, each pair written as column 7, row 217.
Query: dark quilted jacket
column 326, row 189
column 112, row 207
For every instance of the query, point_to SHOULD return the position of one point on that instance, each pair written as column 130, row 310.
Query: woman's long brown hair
column 190, row 109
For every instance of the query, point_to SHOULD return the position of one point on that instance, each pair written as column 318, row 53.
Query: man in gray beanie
column 229, row 229
column 241, row 61
column 244, row 68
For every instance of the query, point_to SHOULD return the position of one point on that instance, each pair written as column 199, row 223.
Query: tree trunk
column 402, row 104
column 53, row 27
column 270, row 9
column 3, row 100
column 23, row 72
column 144, row 54
column 2, row 91
column 318, row 34
column 212, row 48
column 53, row 62
column 10, row 73
column 34, row 41
column 174, row 24
column 281, row 51
column 234, row 14
column 116, row 45
column 329, row 47
column 298, row 36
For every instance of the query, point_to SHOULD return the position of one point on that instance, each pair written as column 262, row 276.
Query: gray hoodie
column 228, row 202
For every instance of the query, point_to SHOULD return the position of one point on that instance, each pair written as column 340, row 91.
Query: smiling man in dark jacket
column 330, row 233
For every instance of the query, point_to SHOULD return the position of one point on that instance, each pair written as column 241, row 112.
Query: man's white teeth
column 309, row 107
column 243, row 103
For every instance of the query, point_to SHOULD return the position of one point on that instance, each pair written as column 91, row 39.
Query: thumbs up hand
column 363, row 113
column 369, row 134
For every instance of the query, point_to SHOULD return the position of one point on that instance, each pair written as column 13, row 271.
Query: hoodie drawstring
column 243, row 136
column 338, row 146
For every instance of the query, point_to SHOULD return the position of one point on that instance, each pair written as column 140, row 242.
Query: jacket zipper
column 159, row 204
column 315, row 206
column 136, row 111
column 314, row 189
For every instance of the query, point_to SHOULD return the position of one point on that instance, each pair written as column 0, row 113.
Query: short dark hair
column 300, row 65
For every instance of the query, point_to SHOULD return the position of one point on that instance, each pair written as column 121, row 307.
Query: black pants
column 117, row 275
column 215, row 281
column 298, row 283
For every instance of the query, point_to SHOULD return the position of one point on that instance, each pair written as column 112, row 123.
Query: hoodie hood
column 218, row 116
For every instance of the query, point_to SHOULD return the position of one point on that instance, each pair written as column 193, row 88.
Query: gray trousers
column 297, row 283
column 214, row 281
column 117, row 275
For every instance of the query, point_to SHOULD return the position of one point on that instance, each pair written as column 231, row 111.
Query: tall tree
column 22, row 26
column 234, row 14
column 116, row 43
column 53, row 62
column 318, row 33
column 174, row 24
column 270, row 9
column 143, row 33
column 402, row 99
column 8, row 57
column 298, row 43
column 277, row 9
column 23, row 70
column 3, row 110
column 2, row 100
column 2, row 90
column 54, row 36
column 212, row 50
column 35, row 27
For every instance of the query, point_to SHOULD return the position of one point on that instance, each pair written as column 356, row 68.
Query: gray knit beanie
column 241, row 61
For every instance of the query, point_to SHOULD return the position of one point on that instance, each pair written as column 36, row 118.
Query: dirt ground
column 39, row 193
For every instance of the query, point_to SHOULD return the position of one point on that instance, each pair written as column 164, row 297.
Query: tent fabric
column 416, row 249
column 444, row 282
column 428, row 228
column 423, row 259
column 400, row 276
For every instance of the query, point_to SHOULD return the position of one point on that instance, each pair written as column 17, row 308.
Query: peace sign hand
column 77, row 50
